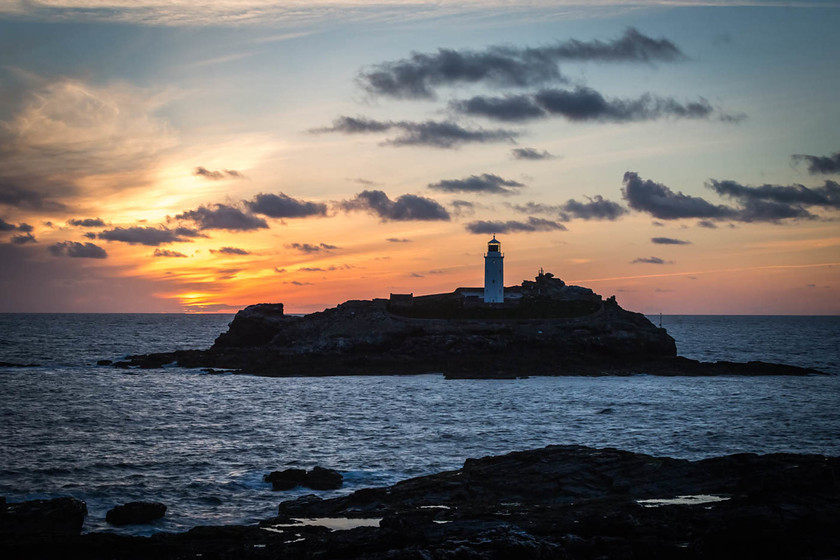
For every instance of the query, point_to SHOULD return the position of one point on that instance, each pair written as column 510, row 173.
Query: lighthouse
column 494, row 274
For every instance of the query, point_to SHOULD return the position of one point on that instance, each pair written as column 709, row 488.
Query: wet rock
column 135, row 513
column 286, row 479
column 59, row 516
column 12, row 364
column 320, row 478
column 104, row 362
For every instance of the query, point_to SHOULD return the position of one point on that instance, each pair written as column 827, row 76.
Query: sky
column 179, row 156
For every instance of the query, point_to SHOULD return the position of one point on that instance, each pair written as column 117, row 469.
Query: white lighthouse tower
column 494, row 274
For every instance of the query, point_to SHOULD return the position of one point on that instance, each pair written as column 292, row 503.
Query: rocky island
column 559, row 502
column 541, row 327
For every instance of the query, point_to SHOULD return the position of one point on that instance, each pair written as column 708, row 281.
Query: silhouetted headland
column 543, row 327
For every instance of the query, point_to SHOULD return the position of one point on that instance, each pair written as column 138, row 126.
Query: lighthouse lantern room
column 494, row 275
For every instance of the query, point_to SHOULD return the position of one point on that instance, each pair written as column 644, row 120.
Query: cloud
column 418, row 76
column 597, row 208
column 706, row 224
column 586, row 104
column 283, row 206
column 820, row 164
column 24, row 238
column 398, row 240
column 168, row 253
column 827, row 196
column 437, row 134
column 511, row 108
column 668, row 241
column 485, row 183
column 650, row 260
column 217, row 175
column 13, row 194
column 139, row 235
column 530, row 154
column 407, row 207
column 279, row 270
column 663, row 203
column 86, row 222
column 309, row 248
column 297, row 283
column 6, row 226
column 188, row 232
column 462, row 208
column 77, row 250
column 223, row 216
column 66, row 130
column 513, row 226
column 231, row 251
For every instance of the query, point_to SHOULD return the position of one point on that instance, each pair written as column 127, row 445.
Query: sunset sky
column 169, row 156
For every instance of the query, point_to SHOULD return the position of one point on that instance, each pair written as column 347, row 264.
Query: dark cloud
column 309, row 248
column 398, row 240
column 827, row 196
column 668, row 241
column 279, row 270
column 142, row 235
column 437, row 134
column 188, row 232
column 24, row 238
column 462, row 207
column 296, row 283
column 6, row 226
column 404, row 208
column 820, row 164
column 217, row 175
column 663, row 203
column 417, row 77
column 530, row 154
column 311, row 269
column 86, row 222
column 77, row 250
column 168, row 253
column 597, row 208
column 585, row 104
column 485, row 183
column 231, row 251
column 511, row 108
column 283, row 206
column 223, row 216
column 706, row 224
column 12, row 194
column 650, row 260
column 513, row 226
column 89, row 235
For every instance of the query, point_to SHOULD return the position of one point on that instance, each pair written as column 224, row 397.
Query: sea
column 200, row 443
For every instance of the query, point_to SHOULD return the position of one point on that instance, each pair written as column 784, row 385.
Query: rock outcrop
column 545, row 328
column 560, row 502
column 64, row 516
column 135, row 513
column 318, row 478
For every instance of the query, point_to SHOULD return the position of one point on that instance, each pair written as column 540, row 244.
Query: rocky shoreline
column 563, row 502
column 549, row 328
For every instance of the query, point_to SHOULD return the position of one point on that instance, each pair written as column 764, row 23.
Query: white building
column 494, row 274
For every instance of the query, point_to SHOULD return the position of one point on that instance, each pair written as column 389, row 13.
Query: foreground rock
column 548, row 329
column 63, row 516
column 318, row 478
column 563, row 502
column 135, row 513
